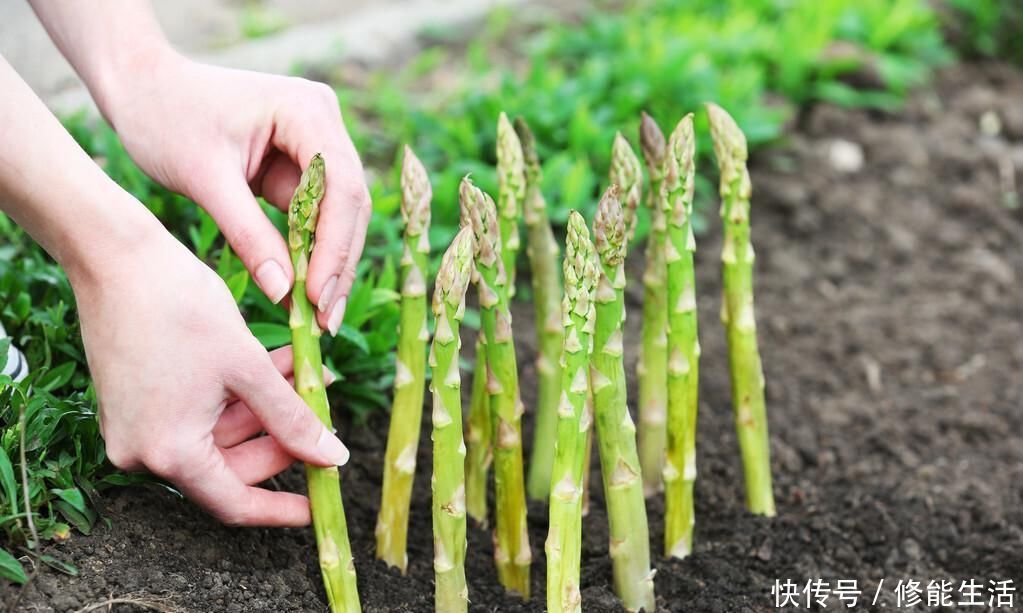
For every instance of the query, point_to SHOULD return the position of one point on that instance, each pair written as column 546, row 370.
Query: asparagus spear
column 511, row 540
column 683, row 342
column 451, row 594
column 652, row 369
column 737, row 313
column 627, row 174
column 407, row 410
column 329, row 524
column 511, row 189
column 477, row 435
column 619, row 461
column 542, row 249
column 564, row 536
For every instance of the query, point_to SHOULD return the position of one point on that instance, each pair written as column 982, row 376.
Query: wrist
column 113, row 232
column 121, row 80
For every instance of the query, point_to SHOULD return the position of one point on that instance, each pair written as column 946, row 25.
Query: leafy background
column 577, row 80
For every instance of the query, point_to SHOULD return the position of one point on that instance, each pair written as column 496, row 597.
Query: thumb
column 286, row 417
column 250, row 233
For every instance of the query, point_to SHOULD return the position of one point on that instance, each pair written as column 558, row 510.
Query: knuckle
column 120, row 455
column 233, row 517
column 164, row 459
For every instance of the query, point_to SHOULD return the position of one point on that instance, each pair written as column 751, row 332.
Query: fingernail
column 328, row 376
column 326, row 294
column 336, row 315
column 271, row 279
column 332, row 449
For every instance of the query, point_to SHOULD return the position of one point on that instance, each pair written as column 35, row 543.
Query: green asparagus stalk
column 619, row 460
column 512, row 553
column 683, row 342
column 542, row 249
column 329, row 524
column 738, row 314
column 410, row 379
column 451, row 593
column 627, row 174
column 652, row 370
column 477, row 436
column 511, row 190
column 564, row 536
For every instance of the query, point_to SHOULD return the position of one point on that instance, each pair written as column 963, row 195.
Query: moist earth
column 891, row 327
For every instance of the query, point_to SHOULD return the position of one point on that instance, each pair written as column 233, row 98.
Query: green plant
column 511, row 189
column 564, row 532
column 329, row 523
column 619, row 461
column 542, row 249
column 478, row 436
column 652, row 367
column 452, row 594
column 511, row 540
column 737, row 312
column 683, row 341
column 410, row 377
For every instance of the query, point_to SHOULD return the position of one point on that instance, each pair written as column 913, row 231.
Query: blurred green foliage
column 576, row 82
column 986, row 28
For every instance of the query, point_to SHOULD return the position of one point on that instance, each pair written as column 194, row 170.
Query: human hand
column 184, row 386
column 222, row 137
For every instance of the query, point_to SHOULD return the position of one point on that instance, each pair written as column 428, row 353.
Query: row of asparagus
column 579, row 310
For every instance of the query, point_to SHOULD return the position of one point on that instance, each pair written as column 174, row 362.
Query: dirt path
column 891, row 321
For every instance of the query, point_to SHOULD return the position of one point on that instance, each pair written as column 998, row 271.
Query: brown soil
column 891, row 319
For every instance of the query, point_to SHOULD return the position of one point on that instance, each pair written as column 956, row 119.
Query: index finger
column 317, row 127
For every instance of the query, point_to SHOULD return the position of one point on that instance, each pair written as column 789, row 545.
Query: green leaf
column 237, row 284
column 59, row 565
column 271, row 335
column 73, row 496
column 10, row 485
column 5, row 347
column 354, row 337
column 55, row 378
column 10, row 568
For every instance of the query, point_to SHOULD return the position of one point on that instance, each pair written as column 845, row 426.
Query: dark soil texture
column 891, row 325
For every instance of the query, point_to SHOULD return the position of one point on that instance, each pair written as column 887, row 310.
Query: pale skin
column 185, row 390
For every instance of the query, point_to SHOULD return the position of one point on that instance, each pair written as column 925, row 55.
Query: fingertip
column 331, row 449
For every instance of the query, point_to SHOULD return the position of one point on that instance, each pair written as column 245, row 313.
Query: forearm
column 106, row 41
column 53, row 190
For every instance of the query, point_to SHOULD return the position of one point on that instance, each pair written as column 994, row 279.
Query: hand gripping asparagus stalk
column 619, row 461
column 683, row 342
column 652, row 369
column 336, row 562
column 451, row 594
column 564, row 536
column 511, row 189
column 737, row 313
column 542, row 249
column 477, row 436
column 410, row 378
column 627, row 174
column 511, row 539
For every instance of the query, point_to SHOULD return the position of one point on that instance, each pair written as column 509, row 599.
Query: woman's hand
column 184, row 386
column 222, row 137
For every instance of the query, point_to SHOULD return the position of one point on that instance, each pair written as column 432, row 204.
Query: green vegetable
column 511, row 190
column 683, row 341
column 542, row 249
column 652, row 369
column 619, row 461
column 410, row 377
column 511, row 540
column 738, row 314
column 477, row 435
column 329, row 524
column 627, row 174
column 451, row 594
column 564, row 536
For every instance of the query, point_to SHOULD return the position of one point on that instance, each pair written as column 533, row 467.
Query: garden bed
column 891, row 319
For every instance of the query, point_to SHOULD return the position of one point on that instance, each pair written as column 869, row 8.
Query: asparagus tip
column 416, row 193
column 651, row 141
column 609, row 228
column 729, row 141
